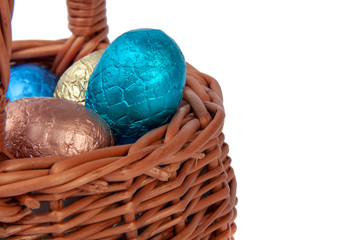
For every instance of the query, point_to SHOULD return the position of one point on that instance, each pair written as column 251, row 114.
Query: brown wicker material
column 175, row 182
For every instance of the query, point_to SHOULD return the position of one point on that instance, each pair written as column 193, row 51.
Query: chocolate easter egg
column 73, row 83
column 30, row 80
column 138, row 83
column 43, row 126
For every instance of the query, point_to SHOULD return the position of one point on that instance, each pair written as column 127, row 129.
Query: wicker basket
column 175, row 182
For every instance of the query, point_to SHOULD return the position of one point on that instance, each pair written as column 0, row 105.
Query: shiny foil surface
column 43, row 126
column 30, row 80
column 73, row 83
column 138, row 83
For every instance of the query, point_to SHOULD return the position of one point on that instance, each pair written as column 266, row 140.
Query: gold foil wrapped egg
column 46, row 126
column 73, row 83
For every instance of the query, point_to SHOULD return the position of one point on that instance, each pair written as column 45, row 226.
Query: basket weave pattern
column 175, row 182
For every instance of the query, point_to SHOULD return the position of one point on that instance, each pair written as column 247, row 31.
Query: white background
column 290, row 72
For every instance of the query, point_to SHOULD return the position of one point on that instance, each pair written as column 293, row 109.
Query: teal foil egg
column 30, row 80
column 138, row 83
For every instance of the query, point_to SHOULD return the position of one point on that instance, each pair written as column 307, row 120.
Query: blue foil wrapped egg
column 138, row 83
column 30, row 80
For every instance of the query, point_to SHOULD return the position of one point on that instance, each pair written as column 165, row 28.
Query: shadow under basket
column 175, row 182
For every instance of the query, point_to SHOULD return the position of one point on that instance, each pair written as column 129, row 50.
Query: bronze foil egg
column 45, row 126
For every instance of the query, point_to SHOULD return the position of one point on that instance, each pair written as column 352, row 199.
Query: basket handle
column 6, row 12
column 87, row 22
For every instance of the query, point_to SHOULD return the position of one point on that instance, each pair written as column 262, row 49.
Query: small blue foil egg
column 138, row 83
column 30, row 80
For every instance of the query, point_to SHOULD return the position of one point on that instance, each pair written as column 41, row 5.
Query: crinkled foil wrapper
column 44, row 126
column 30, row 80
column 138, row 83
column 73, row 84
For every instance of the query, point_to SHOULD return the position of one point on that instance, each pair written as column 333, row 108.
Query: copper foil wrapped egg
column 73, row 84
column 44, row 126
